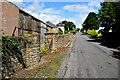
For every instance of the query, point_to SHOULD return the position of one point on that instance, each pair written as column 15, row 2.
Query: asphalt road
column 87, row 59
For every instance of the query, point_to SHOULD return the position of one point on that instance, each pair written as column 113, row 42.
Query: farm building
column 15, row 21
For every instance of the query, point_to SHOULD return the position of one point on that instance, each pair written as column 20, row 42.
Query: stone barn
column 15, row 21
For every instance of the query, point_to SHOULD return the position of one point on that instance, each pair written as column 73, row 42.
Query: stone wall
column 14, row 60
column 32, row 55
column 53, row 42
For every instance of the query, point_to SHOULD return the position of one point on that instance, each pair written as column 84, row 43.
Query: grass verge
column 48, row 69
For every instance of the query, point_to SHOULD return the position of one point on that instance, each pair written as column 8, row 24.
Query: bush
column 93, row 33
column 65, row 31
column 73, row 31
column 99, row 35
column 89, row 32
column 43, row 51
column 60, row 32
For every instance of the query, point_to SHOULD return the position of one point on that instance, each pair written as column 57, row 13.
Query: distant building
column 52, row 28
column 61, row 26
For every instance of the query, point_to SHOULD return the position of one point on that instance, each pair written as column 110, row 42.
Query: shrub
column 89, row 32
column 73, row 31
column 92, row 33
column 60, row 32
column 65, row 31
column 99, row 35
column 43, row 51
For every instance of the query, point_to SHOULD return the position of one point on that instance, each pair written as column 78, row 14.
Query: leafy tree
column 109, row 16
column 91, row 22
column 69, row 25
column 78, row 29
column 82, row 30
column 66, row 25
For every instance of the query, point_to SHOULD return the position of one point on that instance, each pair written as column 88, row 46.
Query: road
column 87, row 59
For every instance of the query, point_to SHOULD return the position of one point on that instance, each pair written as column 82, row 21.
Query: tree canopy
column 69, row 25
column 91, row 22
column 78, row 29
column 109, row 16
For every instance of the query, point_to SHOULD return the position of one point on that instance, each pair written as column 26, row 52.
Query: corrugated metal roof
column 51, row 24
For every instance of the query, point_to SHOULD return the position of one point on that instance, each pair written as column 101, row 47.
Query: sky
column 56, row 11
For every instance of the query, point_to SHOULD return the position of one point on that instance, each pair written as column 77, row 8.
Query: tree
column 91, row 22
column 78, row 29
column 109, row 16
column 66, row 25
column 69, row 25
column 82, row 30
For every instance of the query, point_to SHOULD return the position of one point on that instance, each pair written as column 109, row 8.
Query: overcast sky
column 54, row 11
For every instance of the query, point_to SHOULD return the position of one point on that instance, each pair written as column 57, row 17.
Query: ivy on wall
column 11, row 47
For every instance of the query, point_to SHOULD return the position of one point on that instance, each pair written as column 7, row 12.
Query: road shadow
column 94, row 40
column 116, row 54
column 105, row 43
column 82, row 34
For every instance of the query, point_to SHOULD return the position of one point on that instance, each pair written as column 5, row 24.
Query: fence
column 53, row 42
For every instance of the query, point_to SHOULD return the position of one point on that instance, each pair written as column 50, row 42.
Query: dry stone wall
column 53, row 42
column 28, row 56
column 33, row 49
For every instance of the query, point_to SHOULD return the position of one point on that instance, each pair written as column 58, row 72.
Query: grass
column 50, row 69
column 43, row 51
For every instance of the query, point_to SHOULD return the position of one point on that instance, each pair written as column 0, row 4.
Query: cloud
column 15, row 0
column 46, row 17
column 78, row 8
column 94, row 3
column 51, row 11
column 19, row 3
column 82, row 17
column 40, row 8
column 35, row 7
column 82, row 11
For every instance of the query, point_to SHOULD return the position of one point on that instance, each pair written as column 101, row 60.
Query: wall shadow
column 115, row 54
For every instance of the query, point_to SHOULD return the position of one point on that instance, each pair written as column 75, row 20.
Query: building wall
column 28, row 22
column 62, row 28
column 10, row 17
column 13, row 16
column 0, row 16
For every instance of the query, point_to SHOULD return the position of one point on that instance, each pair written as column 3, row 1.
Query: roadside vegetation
column 43, row 50
column 47, row 68
column 107, row 21
column 69, row 27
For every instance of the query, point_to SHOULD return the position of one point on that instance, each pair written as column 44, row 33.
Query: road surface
column 88, row 59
